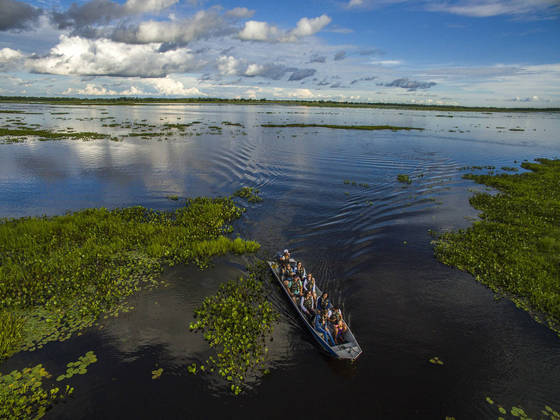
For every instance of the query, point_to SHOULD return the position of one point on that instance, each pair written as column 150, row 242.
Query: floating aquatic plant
column 515, row 247
column 157, row 373
column 78, row 367
column 249, row 193
column 405, row 179
column 60, row 273
column 22, row 394
column 518, row 411
column 436, row 360
column 236, row 322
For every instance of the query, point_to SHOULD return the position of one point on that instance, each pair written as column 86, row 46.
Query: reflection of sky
column 56, row 176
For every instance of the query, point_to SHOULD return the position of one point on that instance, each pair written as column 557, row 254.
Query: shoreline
column 219, row 101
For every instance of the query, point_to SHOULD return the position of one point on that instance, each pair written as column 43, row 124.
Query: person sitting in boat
column 324, row 304
column 286, row 270
column 307, row 304
column 335, row 316
column 300, row 270
column 285, row 257
column 288, row 277
column 309, row 284
column 322, row 327
column 296, row 289
column 339, row 329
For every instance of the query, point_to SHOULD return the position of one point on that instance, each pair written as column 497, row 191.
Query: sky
column 455, row 52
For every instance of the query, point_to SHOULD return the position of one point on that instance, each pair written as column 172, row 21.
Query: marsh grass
column 515, row 248
column 62, row 272
column 50, row 135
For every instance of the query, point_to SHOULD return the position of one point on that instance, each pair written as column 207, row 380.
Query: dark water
column 369, row 246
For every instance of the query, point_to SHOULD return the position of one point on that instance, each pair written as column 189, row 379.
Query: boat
column 349, row 350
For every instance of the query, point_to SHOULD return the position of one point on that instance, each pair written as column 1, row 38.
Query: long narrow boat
column 349, row 350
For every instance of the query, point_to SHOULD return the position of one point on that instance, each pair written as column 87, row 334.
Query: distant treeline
column 321, row 103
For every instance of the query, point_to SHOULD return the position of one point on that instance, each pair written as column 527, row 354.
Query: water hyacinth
column 22, row 394
column 58, row 274
column 235, row 322
column 515, row 247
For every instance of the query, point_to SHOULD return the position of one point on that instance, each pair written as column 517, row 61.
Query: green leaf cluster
column 79, row 367
column 515, row 247
column 235, row 322
column 249, row 193
column 518, row 411
column 22, row 394
column 58, row 274
column 405, row 179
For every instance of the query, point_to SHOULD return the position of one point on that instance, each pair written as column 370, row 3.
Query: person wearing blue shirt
column 321, row 326
column 323, row 303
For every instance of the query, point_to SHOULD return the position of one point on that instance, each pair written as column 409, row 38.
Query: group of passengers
column 321, row 314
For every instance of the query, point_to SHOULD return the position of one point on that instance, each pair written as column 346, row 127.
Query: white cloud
column 10, row 59
column 229, row 65
column 202, row 24
column 172, row 87
column 76, row 55
column 149, row 5
column 386, row 62
column 90, row 90
column 262, row 31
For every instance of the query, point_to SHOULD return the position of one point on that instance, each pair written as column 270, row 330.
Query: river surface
column 368, row 245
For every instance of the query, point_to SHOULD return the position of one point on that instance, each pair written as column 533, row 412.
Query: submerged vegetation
column 515, row 247
column 346, row 127
column 58, row 274
column 236, row 322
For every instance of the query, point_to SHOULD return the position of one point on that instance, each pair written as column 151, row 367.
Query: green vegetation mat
column 515, row 247
column 58, row 274
column 50, row 135
column 346, row 127
column 236, row 322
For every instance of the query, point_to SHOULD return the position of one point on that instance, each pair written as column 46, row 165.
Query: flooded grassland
column 354, row 193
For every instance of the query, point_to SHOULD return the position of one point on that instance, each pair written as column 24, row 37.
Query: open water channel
column 368, row 244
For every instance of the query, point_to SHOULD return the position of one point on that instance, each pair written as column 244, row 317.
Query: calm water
column 369, row 246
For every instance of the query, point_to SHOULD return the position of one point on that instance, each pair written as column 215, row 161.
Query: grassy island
column 345, row 127
column 58, row 274
column 515, row 247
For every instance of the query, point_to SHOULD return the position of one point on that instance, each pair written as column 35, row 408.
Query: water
column 369, row 246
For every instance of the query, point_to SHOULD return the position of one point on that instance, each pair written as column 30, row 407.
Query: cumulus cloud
column 9, row 59
column 76, row 55
column 105, row 11
column 172, row 87
column 264, row 32
column 16, row 15
column 204, row 23
column 410, row 85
